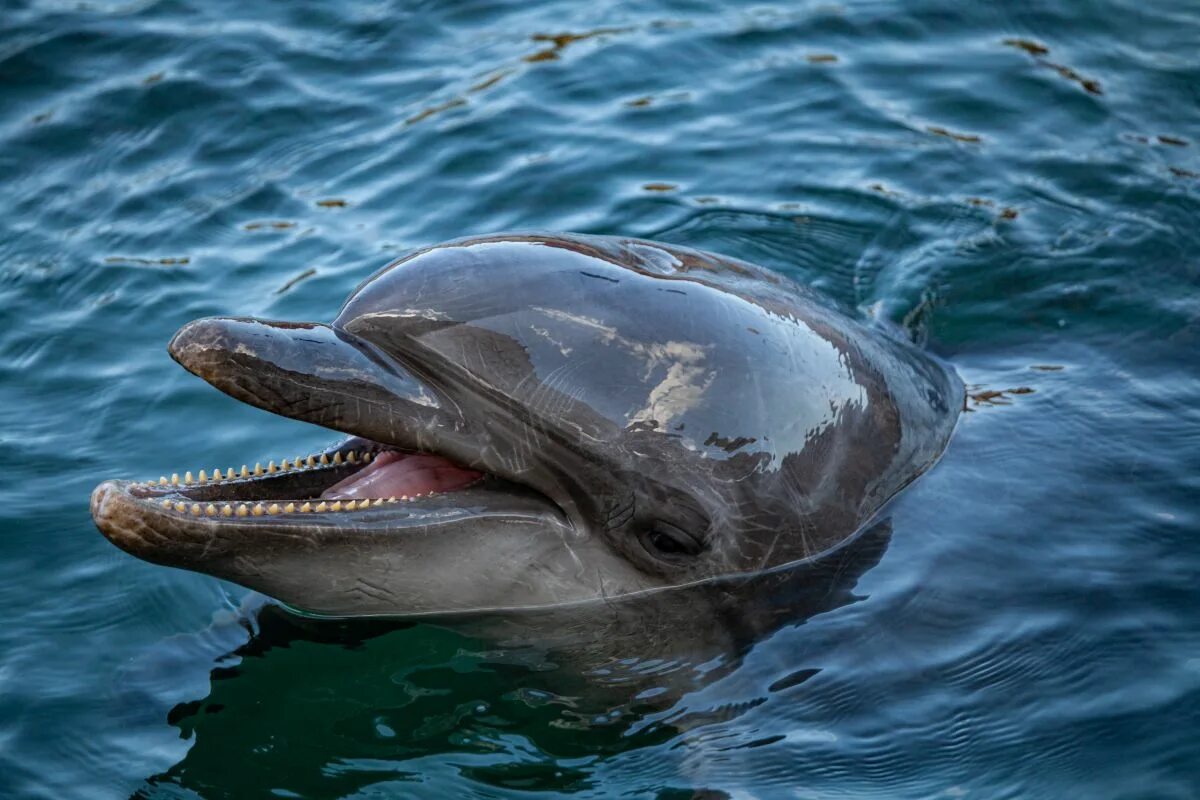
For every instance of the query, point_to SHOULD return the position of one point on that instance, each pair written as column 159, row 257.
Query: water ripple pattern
column 1015, row 185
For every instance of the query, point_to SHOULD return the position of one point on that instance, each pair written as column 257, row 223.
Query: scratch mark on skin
column 598, row 277
column 367, row 589
column 765, row 561
column 246, row 566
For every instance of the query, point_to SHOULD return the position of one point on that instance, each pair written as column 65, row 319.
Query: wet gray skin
column 646, row 417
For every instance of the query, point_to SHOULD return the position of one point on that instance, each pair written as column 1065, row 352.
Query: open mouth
column 410, row 462
column 357, row 475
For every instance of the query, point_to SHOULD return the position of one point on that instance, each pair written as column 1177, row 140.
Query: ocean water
column 1016, row 184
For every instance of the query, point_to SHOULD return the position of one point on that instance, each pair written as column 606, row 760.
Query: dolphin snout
column 214, row 347
column 308, row 371
column 98, row 503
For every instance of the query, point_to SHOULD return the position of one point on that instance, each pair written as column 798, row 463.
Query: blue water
column 1017, row 184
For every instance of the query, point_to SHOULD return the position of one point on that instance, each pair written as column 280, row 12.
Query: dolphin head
column 538, row 421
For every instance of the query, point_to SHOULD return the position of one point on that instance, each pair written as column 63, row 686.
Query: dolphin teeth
column 298, row 462
column 290, row 508
column 195, row 509
column 162, row 481
column 285, row 465
column 174, row 478
column 336, row 505
column 368, row 457
column 211, row 510
column 218, row 475
column 378, row 501
column 271, row 468
column 363, row 503
column 245, row 473
column 306, row 507
column 324, row 459
column 166, row 503
column 258, row 510
column 337, row 458
column 392, row 499
column 187, row 477
column 202, row 477
column 352, row 457
column 258, row 470
column 322, row 507
column 226, row 511
column 242, row 511
column 310, row 462
column 180, row 507
column 273, row 508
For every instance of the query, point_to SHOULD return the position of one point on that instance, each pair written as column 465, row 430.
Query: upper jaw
column 312, row 372
column 330, row 377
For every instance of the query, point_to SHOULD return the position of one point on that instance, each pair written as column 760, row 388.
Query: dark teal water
column 1018, row 184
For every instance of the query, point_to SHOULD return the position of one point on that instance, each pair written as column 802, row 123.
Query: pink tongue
column 394, row 474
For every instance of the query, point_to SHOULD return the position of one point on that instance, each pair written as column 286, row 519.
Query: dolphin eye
column 666, row 540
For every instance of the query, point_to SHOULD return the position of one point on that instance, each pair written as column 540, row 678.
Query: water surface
column 1017, row 185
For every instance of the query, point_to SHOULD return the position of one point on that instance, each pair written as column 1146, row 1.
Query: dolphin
column 545, row 421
